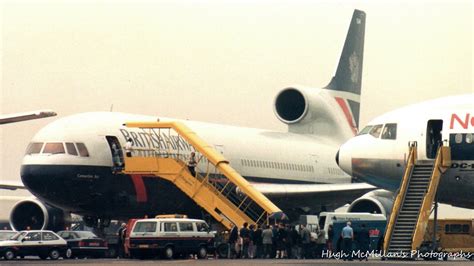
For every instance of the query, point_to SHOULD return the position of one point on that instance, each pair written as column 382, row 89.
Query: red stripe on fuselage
column 139, row 188
column 342, row 103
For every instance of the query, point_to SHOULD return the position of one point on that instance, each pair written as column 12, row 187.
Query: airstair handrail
column 397, row 204
column 214, row 157
column 443, row 158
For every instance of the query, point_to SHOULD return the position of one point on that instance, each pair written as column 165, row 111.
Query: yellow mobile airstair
column 216, row 186
column 413, row 204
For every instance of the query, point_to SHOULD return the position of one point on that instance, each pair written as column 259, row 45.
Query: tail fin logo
column 354, row 67
column 347, row 113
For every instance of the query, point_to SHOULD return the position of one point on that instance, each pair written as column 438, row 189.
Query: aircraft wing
column 11, row 185
column 18, row 117
column 313, row 196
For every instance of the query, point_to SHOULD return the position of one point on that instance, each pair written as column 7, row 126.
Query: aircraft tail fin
column 346, row 84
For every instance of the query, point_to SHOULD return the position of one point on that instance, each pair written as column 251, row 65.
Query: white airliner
column 378, row 154
column 68, row 163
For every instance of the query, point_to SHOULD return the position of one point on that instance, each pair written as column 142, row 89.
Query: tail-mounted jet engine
column 313, row 111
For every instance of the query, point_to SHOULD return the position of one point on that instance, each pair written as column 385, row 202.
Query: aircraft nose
column 344, row 159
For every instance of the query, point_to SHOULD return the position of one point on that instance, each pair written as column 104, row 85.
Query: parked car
column 6, row 234
column 40, row 243
column 169, row 237
column 83, row 244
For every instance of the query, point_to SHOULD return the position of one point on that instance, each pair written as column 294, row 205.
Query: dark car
column 83, row 244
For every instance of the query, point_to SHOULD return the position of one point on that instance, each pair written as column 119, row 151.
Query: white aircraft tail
column 333, row 111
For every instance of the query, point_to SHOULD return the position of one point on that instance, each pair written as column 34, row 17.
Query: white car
column 7, row 234
column 33, row 243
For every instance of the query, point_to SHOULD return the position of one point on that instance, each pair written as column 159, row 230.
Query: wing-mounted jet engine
column 376, row 201
column 35, row 215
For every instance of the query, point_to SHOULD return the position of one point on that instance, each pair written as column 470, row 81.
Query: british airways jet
column 68, row 164
column 378, row 154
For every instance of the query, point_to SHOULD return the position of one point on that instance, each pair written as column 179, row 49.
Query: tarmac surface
column 239, row 262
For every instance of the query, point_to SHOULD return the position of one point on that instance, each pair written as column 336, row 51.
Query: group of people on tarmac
column 282, row 241
column 277, row 241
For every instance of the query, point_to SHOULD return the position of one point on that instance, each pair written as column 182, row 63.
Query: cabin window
column 376, row 130
column 71, row 149
column 54, row 148
column 82, row 150
column 34, row 148
column 389, row 131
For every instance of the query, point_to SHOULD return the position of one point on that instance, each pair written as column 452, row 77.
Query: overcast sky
column 218, row 61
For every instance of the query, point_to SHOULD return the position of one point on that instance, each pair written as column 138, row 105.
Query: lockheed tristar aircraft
column 378, row 154
column 68, row 164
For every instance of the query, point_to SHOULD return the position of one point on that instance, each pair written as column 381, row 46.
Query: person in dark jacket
column 289, row 242
column 121, row 233
column 296, row 243
column 305, row 242
column 363, row 240
column 234, row 235
column 251, row 252
column 257, row 241
column 274, row 240
column 329, row 243
column 245, row 235
column 281, row 242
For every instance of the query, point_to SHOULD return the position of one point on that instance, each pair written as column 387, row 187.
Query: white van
column 169, row 237
column 328, row 218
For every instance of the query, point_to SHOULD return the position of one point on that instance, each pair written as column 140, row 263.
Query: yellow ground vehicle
column 453, row 236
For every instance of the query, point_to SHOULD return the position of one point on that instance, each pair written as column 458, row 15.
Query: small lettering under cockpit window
column 365, row 130
column 34, row 148
column 54, row 148
column 389, row 131
column 82, row 150
column 376, row 130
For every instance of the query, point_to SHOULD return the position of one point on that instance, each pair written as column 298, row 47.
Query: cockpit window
column 376, row 130
column 34, row 147
column 365, row 130
column 71, row 149
column 54, row 148
column 82, row 150
column 389, row 131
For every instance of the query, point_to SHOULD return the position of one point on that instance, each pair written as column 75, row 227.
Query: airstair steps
column 413, row 203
